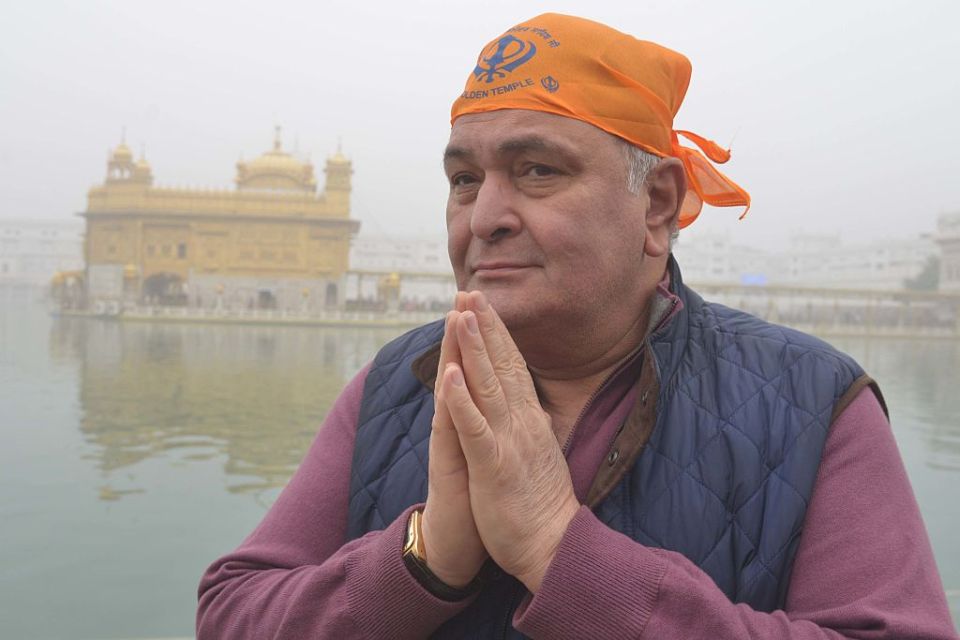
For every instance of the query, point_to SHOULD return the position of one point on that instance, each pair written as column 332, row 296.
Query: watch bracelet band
column 440, row 589
column 437, row 587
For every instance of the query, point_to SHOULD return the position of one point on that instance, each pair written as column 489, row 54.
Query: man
column 585, row 448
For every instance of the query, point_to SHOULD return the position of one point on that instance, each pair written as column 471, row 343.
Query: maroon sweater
column 864, row 567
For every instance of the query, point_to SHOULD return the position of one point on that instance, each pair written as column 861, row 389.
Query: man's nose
column 494, row 215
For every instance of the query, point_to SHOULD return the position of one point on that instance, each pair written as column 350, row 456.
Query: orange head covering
column 585, row 70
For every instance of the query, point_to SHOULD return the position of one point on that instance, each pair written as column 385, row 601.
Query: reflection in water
column 255, row 395
column 109, row 494
column 173, row 418
column 919, row 381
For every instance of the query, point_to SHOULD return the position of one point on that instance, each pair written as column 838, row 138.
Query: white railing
column 278, row 316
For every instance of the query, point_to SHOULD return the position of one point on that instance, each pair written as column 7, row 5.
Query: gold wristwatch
column 415, row 557
column 414, row 543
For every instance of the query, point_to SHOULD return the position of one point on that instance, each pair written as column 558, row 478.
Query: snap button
column 613, row 457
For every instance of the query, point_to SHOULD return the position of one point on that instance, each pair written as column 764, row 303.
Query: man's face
column 539, row 217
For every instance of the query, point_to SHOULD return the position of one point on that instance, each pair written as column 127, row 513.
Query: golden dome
column 276, row 170
column 338, row 158
column 276, row 161
column 120, row 165
column 122, row 153
column 141, row 171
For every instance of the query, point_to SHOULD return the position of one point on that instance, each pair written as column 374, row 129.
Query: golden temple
column 271, row 242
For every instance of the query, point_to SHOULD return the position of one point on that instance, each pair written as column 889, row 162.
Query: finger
column 477, row 302
column 449, row 350
column 477, row 440
column 507, row 360
column 460, row 301
column 446, row 456
column 483, row 382
column 523, row 381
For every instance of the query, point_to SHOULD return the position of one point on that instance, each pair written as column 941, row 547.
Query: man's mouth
column 497, row 267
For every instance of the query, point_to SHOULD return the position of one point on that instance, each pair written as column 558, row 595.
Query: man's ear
column 666, row 189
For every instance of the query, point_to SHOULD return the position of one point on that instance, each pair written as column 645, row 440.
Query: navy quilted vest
column 742, row 416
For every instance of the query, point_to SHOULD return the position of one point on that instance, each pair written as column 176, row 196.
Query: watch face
column 411, row 538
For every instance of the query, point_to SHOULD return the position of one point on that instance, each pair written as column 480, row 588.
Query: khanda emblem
column 504, row 56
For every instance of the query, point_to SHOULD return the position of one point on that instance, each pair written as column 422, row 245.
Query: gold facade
column 273, row 225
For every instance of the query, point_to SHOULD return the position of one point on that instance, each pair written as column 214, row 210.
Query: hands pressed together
column 498, row 481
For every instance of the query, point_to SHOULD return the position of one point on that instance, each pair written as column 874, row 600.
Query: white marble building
column 421, row 261
column 810, row 261
column 32, row 251
column 948, row 237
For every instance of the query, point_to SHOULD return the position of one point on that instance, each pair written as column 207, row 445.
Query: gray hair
column 639, row 164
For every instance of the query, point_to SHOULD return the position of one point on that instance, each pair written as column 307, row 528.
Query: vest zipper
column 593, row 396
column 514, row 600
column 643, row 343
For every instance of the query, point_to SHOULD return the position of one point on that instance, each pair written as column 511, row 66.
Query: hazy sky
column 843, row 115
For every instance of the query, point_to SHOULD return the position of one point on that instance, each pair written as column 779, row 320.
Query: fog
column 842, row 116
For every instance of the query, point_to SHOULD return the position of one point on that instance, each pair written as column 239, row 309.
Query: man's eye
column 540, row 171
column 462, row 180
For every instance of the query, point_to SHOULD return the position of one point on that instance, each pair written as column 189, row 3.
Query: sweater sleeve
column 864, row 567
column 295, row 577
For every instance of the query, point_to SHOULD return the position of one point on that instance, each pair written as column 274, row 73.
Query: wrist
column 447, row 555
column 444, row 586
column 549, row 542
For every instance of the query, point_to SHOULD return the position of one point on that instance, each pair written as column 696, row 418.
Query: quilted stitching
column 725, row 479
column 765, row 361
column 393, row 403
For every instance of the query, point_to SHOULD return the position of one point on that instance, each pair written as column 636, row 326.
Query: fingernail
column 471, row 321
column 457, row 377
column 482, row 304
